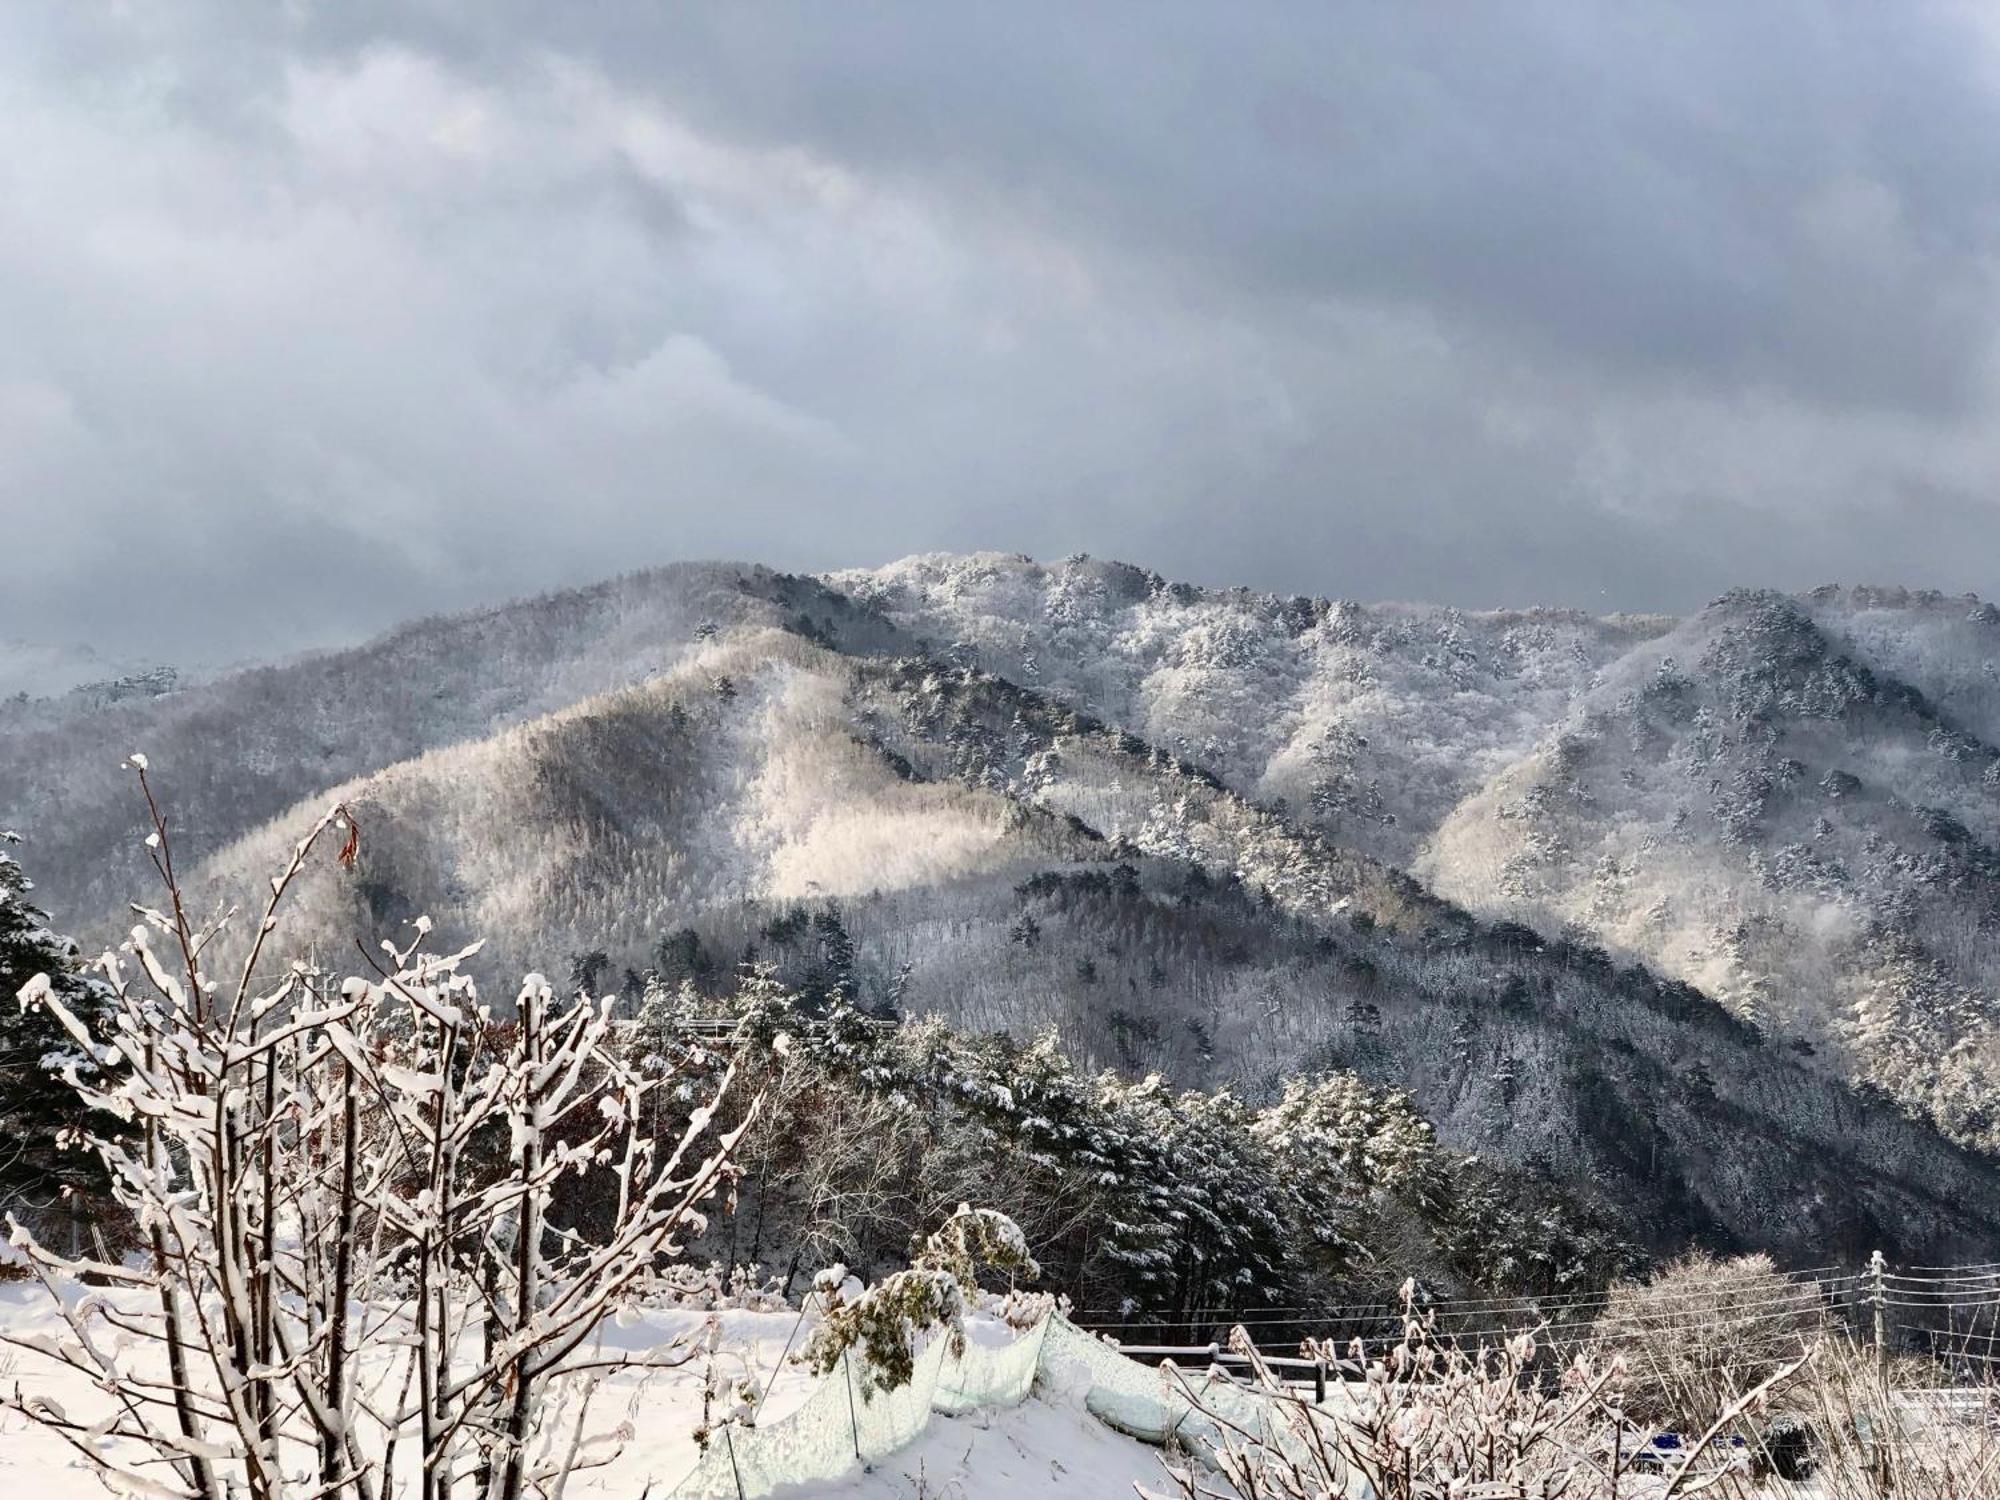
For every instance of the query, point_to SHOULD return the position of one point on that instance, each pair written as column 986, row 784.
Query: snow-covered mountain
column 1210, row 832
column 1374, row 722
column 1766, row 803
column 1791, row 803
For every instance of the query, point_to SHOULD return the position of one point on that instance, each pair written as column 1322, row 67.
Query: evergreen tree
column 37, row 1105
column 680, row 956
column 587, row 970
column 833, row 974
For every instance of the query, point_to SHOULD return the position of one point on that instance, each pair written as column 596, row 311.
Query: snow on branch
column 350, row 1191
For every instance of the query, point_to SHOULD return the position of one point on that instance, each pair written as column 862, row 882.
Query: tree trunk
column 330, row 1451
column 527, row 1251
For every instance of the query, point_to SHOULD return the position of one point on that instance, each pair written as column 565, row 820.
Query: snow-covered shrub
column 1857, row 1436
column 1433, row 1421
column 354, row 1199
column 1692, row 1335
column 886, row 1319
column 715, row 1288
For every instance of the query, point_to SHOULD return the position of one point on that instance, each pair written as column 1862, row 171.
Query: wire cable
column 1351, row 1314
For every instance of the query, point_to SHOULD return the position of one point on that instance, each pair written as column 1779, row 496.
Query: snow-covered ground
column 1041, row 1447
column 1048, row 1444
column 1045, row 1446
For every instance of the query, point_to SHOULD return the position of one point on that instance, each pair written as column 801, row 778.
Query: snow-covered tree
column 354, row 1196
column 1340, row 1143
column 38, row 1107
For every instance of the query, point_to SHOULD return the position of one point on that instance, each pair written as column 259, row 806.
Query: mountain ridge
column 788, row 768
column 1407, row 727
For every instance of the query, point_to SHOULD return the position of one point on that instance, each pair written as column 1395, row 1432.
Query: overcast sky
column 315, row 316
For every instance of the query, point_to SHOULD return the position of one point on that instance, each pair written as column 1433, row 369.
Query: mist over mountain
column 41, row 669
column 1791, row 803
column 1689, row 918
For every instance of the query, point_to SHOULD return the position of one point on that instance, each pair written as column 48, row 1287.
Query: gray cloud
column 324, row 315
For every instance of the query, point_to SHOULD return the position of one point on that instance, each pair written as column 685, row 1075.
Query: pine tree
column 36, row 1105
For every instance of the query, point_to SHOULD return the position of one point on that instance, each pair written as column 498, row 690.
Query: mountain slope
column 234, row 751
column 1752, row 805
column 1371, row 722
column 950, row 843
column 1177, row 827
column 1792, row 803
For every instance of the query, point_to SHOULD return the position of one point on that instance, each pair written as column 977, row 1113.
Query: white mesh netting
column 840, row 1429
column 996, row 1373
column 1191, row 1409
column 841, row 1426
column 1141, row 1401
column 1148, row 1402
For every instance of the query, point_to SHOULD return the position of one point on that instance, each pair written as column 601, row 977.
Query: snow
column 1037, row 1448
column 1043, row 1446
column 666, row 1404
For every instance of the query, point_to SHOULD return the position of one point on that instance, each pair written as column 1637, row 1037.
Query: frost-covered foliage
column 1338, row 1127
column 1140, row 1199
column 931, row 1296
column 1433, row 1420
column 1691, row 1333
column 319, row 1169
column 1856, row 1436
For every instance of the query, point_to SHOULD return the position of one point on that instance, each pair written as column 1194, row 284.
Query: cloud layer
column 323, row 316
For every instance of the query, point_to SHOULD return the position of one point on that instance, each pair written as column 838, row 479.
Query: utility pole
column 1878, row 1291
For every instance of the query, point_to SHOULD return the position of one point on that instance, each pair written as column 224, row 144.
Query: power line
column 1349, row 1314
column 1989, row 1283
column 1815, row 1275
column 1739, row 1318
column 1595, row 1318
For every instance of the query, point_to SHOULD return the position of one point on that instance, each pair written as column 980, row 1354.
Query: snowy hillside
column 1047, row 1444
column 1790, row 803
column 1370, row 721
column 251, row 743
column 1756, row 804
column 1231, row 837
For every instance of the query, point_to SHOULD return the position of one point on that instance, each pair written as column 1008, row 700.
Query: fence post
column 1319, row 1383
column 853, row 1417
column 735, row 1469
column 1878, row 1292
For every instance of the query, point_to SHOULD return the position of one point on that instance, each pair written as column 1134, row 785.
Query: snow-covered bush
column 352, row 1196
column 1695, row 1333
column 1860, row 1437
column 1433, row 1421
column 716, row 1287
column 886, row 1319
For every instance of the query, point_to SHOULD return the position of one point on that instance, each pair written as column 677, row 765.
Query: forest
column 1197, row 960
